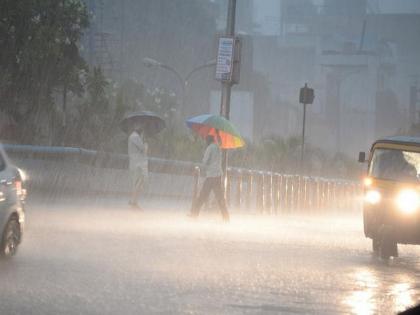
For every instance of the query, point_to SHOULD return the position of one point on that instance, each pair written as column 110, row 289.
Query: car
column 391, row 210
column 12, row 200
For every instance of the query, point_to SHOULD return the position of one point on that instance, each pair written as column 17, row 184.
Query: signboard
column 224, row 67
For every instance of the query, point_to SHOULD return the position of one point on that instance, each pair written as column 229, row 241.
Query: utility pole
column 227, row 85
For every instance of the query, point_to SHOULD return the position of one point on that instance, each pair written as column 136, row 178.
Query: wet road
column 101, row 257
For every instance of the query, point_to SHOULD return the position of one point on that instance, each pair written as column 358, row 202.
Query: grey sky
column 399, row 6
column 267, row 12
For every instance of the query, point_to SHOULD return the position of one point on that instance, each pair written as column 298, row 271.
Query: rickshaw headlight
column 373, row 197
column 408, row 201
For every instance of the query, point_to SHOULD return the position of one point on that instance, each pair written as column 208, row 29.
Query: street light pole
column 302, row 153
column 306, row 96
column 208, row 64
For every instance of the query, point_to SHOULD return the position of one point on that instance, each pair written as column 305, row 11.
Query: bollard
column 271, row 192
column 265, row 192
column 196, row 174
column 327, row 195
column 260, row 192
column 228, row 186
column 337, row 196
column 307, row 194
column 287, row 193
column 249, row 189
column 334, row 189
column 308, row 190
column 295, row 188
column 298, row 193
column 304, row 191
column 274, row 184
column 279, row 193
column 268, row 192
column 238, row 189
column 312, row 190
column 324, row 191
column 276, row 192
column 343, row 194
column 331, row 195
column 318, row 194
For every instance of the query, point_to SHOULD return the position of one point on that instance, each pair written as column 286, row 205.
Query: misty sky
column 267, row 12
column 399, row 6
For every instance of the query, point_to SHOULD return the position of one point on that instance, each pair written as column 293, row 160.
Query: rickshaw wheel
column 376, row 246
column 388, row 247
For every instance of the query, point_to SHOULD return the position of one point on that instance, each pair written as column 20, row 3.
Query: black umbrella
column 148, row 121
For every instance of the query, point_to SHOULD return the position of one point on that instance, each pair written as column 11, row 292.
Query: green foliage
column 94, row 121
column 96, row 85
column 39, row 53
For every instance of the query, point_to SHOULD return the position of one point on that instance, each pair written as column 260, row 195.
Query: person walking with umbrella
column 219, row 134
column 138, row 164
column 137, row 125
column 212, row 162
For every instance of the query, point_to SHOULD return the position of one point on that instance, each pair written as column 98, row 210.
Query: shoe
column 135, row 205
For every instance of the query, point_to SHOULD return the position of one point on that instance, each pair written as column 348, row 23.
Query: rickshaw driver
column 394, row 166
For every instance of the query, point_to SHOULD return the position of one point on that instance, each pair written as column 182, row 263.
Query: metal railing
column 274, row 193
column 267, row 192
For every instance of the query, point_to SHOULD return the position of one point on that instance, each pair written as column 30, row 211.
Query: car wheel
column 11, row 238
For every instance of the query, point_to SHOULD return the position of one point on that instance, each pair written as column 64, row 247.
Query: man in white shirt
column 137, row 152
column 212, row 162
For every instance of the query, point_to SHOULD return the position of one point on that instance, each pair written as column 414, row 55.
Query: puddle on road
column 381, row 288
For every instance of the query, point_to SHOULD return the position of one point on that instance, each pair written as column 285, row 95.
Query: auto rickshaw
column 391, row 211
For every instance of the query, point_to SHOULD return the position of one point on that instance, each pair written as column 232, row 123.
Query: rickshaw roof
column 400, row 140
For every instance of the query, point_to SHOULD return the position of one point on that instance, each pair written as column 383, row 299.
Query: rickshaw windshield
column 396, row 165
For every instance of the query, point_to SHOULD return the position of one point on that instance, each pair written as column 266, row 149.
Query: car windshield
column 395, row 165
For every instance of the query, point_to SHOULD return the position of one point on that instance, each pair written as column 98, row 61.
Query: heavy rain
column 209, row 156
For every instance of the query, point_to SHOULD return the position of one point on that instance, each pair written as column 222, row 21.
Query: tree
column 96, row 85
column 39, row 54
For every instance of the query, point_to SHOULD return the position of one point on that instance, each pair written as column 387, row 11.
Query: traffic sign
column 306, row 95
column 225, row 55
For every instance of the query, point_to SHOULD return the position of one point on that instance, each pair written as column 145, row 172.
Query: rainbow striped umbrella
column 219, row 127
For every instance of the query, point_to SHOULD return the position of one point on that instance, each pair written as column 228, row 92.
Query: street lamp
column 150, row 63
column 208, row 64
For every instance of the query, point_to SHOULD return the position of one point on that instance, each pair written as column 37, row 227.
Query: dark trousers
column 211, row 184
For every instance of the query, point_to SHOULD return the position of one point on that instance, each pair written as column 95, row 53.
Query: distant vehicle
column 391, row 212
column 12, row 216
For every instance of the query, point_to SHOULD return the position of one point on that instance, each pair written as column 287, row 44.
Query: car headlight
column 23, row 175
column 373, row 197
column 408, row 201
